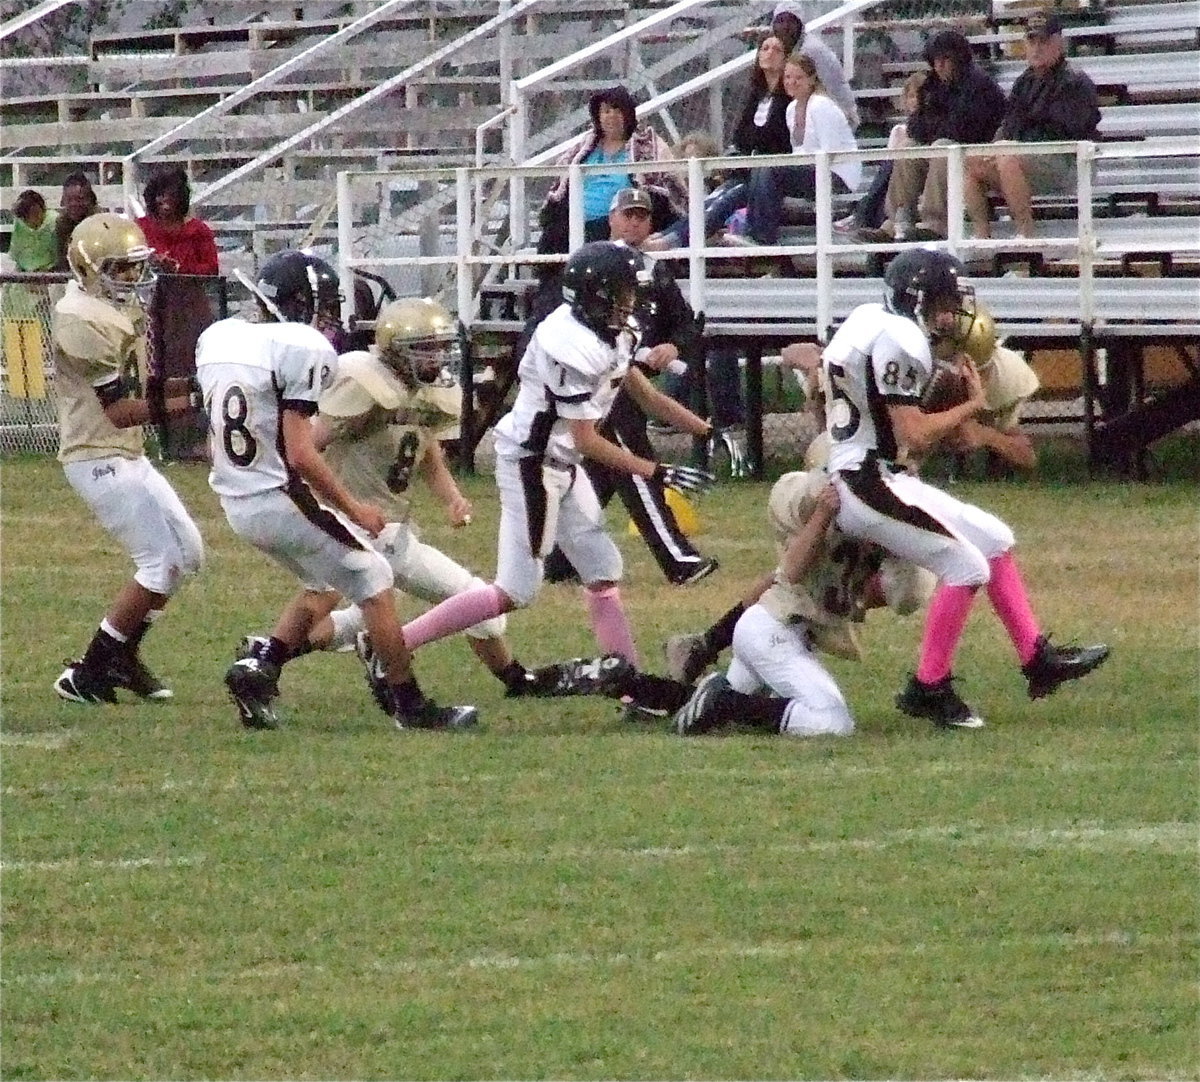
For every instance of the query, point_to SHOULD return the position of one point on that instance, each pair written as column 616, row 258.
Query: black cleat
column 130, row 672
column 430, row 716
column 252, row 686
column 77, row 685
column 939, row 703
column 608, row 675
column 1053, row 665
column 701, row 571
column 698, row 714
column 252, row 646
column 373, row 670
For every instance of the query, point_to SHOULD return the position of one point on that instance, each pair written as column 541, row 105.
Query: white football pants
column 142, row 512
column 769, row 654
column 420, row 571
column 920, row 523
column 541, row 506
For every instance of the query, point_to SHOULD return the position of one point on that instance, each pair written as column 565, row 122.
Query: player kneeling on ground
column 824, row 585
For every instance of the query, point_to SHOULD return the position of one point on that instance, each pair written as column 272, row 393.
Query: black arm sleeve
column 673, row 321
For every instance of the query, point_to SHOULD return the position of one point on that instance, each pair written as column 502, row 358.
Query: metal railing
column 1086, row 243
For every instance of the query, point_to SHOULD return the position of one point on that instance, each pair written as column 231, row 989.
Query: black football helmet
column 600, row 283
column 294, row 287
column 920, row 279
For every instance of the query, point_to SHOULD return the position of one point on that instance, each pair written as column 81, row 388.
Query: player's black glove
column 685, row 479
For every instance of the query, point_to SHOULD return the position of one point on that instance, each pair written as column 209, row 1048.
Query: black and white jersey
column 567, row 374
column 875, row 359
column 250, row 373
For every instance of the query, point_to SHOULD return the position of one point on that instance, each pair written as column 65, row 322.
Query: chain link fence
column 180, row 308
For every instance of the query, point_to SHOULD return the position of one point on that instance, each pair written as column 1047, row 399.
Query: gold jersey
column 830, row 598
column 94, row 343
column 381, row 431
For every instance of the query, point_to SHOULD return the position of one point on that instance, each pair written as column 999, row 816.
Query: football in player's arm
column 104, row 398
column 881, row 354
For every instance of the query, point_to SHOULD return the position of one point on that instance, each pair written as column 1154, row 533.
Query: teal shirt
column 599, row 188
column 35, row 249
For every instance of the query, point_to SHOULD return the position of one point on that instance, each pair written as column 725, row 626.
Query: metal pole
column 345, row 233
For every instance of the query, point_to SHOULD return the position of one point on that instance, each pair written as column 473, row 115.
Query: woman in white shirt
column 815, row 123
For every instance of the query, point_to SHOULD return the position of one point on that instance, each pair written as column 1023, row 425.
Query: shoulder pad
column 1008, row 379
column 373, row 383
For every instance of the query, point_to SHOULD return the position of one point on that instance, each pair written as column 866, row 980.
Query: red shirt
column 187, row 248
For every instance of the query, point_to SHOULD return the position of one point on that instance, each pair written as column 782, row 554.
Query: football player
column 876, row 368
column 261, row 384
column 379, row 426
column 104, row 398
column 823, row 586
column 668, row 328
column 576, row 362
column 1008, row 382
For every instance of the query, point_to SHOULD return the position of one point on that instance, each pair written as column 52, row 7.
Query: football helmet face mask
column 295, row 287
column 109, row 257
column 922, row 282
column 600, row 283
column 974, row 333
column 417, row 339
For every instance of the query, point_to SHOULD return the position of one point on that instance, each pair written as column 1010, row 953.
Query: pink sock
column 610, row 624
column 1006, row 591
column 455, row 614
column 944, row 623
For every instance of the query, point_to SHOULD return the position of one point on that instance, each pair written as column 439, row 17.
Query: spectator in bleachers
column 181, row 308
column 787, row 24
column 761, row 129
column 821, row 126
column 958, row 103
column 183, row 244
column 1050, row 100
column 78, row 202
column 870, row 211
column 34, row 244
column 615, row 136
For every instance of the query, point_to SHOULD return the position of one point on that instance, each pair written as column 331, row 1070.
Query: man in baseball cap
column 1050, row 101
column 631, row 200
column 1043, row 24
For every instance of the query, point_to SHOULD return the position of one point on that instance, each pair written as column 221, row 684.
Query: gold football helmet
column 416, row 338
column 109, row 257
column 974, row 334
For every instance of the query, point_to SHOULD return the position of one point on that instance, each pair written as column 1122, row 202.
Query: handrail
column 19, row 22
column 263, row 82
column 1087, row 242
column 384, row 88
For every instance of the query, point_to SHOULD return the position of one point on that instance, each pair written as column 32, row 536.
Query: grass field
column 565, row 896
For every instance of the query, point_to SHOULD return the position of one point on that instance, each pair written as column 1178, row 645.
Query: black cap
column 1042, row 24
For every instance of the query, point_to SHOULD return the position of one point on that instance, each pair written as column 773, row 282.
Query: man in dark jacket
column 958, row 103
column 1049, row 101
column 670, row 333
